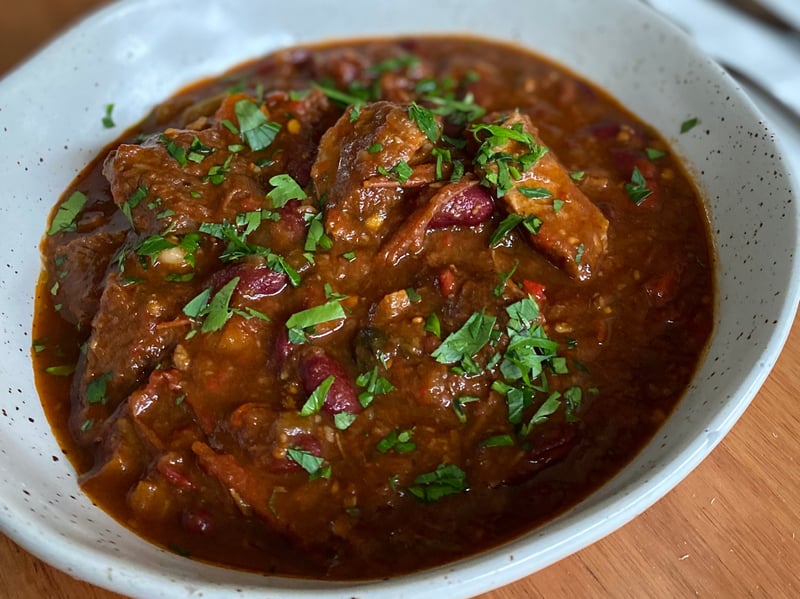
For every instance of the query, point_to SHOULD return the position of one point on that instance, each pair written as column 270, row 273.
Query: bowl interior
column 136, row 53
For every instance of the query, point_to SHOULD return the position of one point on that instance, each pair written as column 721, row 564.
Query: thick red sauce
column 302, row 344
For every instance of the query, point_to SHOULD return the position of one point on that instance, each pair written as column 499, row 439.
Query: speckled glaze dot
column 48, row 138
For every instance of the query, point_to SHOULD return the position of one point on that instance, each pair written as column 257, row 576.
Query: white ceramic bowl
column 138, row 52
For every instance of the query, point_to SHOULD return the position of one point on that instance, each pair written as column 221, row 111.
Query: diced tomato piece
column 447, row 282
column 535, row 290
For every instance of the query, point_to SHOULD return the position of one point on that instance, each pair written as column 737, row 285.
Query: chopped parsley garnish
column 413, row 295
column 504, row 277
column 393, row 64
column 447, row 479
column 531, row 223
column 87, row 425
column 498, row 441
column 343, row 99
column 432, row 325
column 579, row 253
column 458, row 406
column 175, row 150
column 108, row 120
column 425, row 120
column 299, row 322
column 442, row 156
column 375, row 148
column 314, row 465
column 65, row 218
column 343, row 420
column 349, row 256
column 502, row 168
column 285, row 189
column 689, row 124
column 654, row 154
column 316, row 400
column 96, row 389
column 577, row 175
column 316, row 238
column 216, row 312
column 373, row 385
column 254, row 127
column 400, row 171
column 60, row 370
column 637, row 189
column 133, row 201
column 397, row 440
column 462, row 345
column 558, row 205
column 535, row 193
column 547, row 409
column 216, row 174
column 198, row 151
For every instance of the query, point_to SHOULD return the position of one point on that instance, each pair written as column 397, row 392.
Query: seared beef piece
column 134, row 328
column 78, row 267
column 572, row 237
column 354, row 213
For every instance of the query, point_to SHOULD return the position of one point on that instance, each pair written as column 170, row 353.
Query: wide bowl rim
column 598, row 521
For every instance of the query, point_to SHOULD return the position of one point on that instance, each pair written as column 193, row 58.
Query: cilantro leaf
column 254, row 126
column 67, row 213
column 285, row 189
column 425, row 120
column 447, row 479
column 467, row 341
column 316, row 400
column 637, row 189
column 314, row 465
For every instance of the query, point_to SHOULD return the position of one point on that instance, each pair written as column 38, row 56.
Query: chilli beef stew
column 355, row 310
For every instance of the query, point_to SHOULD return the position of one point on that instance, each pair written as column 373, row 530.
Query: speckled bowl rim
column 649, row 65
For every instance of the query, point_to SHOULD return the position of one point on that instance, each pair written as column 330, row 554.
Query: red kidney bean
column 471, row 207
column 295, row 440
column 315, row 367
column 197, row 521
column 256, row 280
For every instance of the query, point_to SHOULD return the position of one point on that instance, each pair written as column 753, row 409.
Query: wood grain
column 731, row 529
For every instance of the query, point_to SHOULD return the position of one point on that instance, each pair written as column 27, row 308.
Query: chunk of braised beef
column 77, row 271
column 354, row 213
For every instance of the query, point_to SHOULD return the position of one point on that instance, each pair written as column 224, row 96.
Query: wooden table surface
column 731, row 529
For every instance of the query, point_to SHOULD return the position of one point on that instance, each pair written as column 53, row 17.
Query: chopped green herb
column 577, row 175
column 504, row 277
column 254, row 126
column 96, row 389
column 432, row 325
column 133, row 201
column 306, row 319
column 461, row 345
column 535, row 193
column 579, row 253
column 413, row 295
column 216, row 174
column 61, row 370
column 316, row 400
column 314, row 465
column 175, row 150
column 397, row 440
column 230, row 126
column 442, row 156
column 400, row 171
column 39, row 345
column 218, row 311
column 547, row 409
column 87, row 425
column 108, row 120
column 349, row 256
column 654, row 154
column 637, row 189
column 505, row 227
column 689, row 124
column 458, row 406
column 343, row 420
column 425, row 120
column 373, row 385
column 316, row 238
column 498, row 441
column 447, row 479
column 558, row 205
column 65, row 218
column 343, row 99
column 285, row 189
column 393, row 64
column 375, row 148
